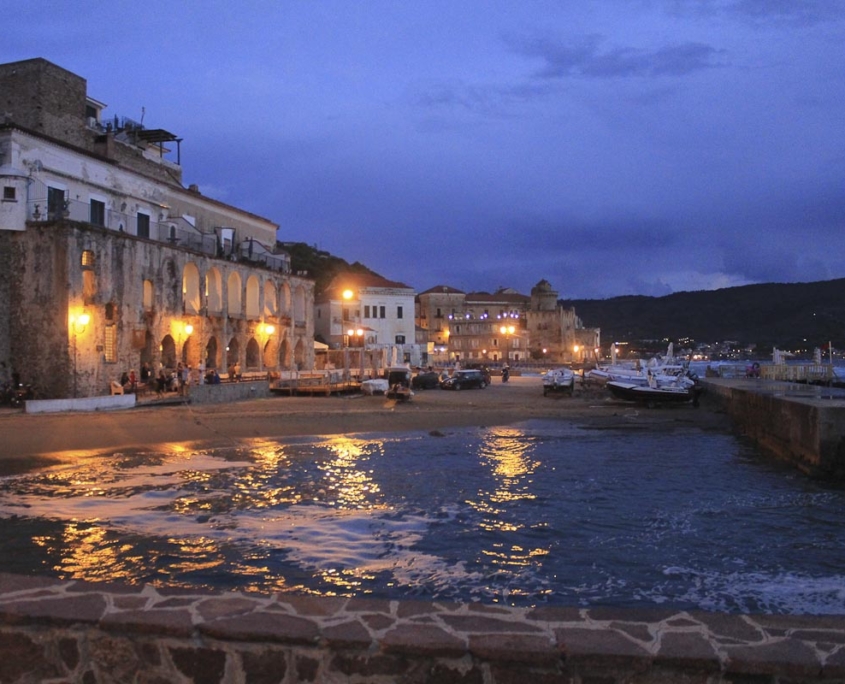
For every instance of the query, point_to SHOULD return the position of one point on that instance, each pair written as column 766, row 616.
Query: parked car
column 465, row 379
column 426, row 380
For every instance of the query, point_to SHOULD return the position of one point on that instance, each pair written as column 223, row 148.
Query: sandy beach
column 32, row 440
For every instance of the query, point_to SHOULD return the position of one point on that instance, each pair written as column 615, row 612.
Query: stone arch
column 212, row 353
column 191, row 299
column 168, row 352
column 253, row 354
column 271, row 305
column 271, row 354
column 191, row 351
column 253, row 291
column 172, row 290
column 233, row 350
column 285, row 300
column 149, row 295
column 214, row 291
column 233, row 294
column 299, row 354
column 299, row 305
column 285, row 355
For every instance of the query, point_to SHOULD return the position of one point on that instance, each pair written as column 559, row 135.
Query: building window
column 149, row 295
column 9, row 193
column 143, row 226
column 367, row 311
column 398, row 312
column 98, row 213
column 110, row 345
column 382, row 312
column 87, row 260
column 400, row 339
column 55, row 203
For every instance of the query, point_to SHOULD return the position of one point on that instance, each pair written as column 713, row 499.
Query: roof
column 501, row 296
column 442, row 289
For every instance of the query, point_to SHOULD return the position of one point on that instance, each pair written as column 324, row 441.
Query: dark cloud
column 789, row 12
column 588, row 59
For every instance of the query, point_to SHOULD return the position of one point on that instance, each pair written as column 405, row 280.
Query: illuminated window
column 110, row 344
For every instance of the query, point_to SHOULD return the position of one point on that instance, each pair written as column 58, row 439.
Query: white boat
column 559, row 380
column 653, row 393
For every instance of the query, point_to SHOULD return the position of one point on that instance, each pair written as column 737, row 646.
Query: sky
column 611, row 147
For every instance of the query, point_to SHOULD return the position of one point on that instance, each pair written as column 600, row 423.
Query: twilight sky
column 610, row 146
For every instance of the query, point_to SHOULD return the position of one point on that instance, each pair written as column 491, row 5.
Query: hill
column 786, row 315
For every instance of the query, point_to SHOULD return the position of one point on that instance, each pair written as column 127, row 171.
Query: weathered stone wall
column 45, row 98
column 801, row 424
column 72, row 632
column 48, row 284
column 5, row 296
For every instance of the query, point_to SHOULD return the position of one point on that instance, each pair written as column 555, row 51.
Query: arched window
column 149, row 295
column 299, row 305
column 214, row 291
column 253, row 354
column 191, row 300
column 233, row 294
column 271, row 307
column 286, row 299
column 89, row 276
column 252, row 292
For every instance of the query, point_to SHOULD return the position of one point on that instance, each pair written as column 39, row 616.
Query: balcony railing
column 174, row 231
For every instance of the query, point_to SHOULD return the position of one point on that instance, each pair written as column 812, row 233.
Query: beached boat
column 652, row 393
column 559, row 380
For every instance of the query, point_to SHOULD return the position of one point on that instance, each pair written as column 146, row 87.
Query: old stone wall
column 51, row 282
column 87, row 633
column 801, row 424
column 5, row 296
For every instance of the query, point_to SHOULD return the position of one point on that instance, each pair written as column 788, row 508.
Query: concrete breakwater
column 798, row 423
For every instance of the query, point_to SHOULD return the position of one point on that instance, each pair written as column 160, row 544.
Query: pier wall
column 71, row 632
column 801, row 424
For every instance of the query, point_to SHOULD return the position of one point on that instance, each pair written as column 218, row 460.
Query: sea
column 544, row 512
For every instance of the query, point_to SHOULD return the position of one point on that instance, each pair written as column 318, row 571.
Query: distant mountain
column 788, row 316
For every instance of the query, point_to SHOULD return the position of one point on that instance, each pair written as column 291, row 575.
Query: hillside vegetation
column 788, row 316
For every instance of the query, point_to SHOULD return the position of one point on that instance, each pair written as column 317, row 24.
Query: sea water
column 539, row 513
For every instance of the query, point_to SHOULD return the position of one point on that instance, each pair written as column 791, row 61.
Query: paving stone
column 378, row 622
column 503, row 673
column 638, row 631
column 263, row 626
column 19, row 656
column 129, row 602
column 601, row 648
column 521, row 648
column 784, row 656
column 424, row 640
column 307, row 669
column 687, row 651
column 643, row 615
column 555, row 614
column 177, row 623
column 407, row 609
column 474, row 624
column 359, row 605
column 313, row 605
column 69, row 652
column 375, row 665
column 61, row 610
column 116, row 656
column 10, row 584
column 731, row 626
column 213, row 608
column 350, row 634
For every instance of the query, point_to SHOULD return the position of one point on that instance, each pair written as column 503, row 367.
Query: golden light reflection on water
column 508, row 454
column 86, row 554
column 349, row 486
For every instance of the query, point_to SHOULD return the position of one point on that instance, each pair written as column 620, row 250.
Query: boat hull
column 628, row 391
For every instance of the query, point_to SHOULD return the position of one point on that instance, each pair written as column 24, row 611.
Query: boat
column 653, row 393
column 559, row 380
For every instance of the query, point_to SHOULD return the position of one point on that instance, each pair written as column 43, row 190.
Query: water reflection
column 508, row 454
column 349, row 485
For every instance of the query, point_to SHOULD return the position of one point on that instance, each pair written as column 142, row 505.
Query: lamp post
column 78, row 324
column 507, row 331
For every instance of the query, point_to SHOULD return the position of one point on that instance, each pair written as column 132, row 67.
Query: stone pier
column 799, row 423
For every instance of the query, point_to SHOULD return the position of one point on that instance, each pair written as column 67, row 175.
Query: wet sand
column 28, row 441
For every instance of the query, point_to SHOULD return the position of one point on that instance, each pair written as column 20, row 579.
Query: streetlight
column 78, row 324
column 507, row 331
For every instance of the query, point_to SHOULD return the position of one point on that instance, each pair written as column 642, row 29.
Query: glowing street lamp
column 507, row 331
column 78, row 324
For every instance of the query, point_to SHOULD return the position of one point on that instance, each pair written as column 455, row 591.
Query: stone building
column 502, row 327
column 371, row 315
column 107, row 262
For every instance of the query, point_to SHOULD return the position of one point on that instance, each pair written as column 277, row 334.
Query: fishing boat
column 559, row 380
column 653, row 393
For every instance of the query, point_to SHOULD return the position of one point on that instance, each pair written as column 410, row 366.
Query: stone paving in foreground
column 57, row 631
